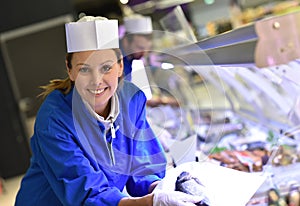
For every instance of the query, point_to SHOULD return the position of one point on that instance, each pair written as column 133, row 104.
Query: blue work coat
column 127, row 63
column 127, row 68
column 71, row 163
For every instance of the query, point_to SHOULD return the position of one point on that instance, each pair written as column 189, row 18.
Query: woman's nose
column 97, row 78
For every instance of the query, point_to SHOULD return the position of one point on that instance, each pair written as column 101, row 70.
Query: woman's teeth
column 97, row 91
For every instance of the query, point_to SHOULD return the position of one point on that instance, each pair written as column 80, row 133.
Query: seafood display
column 253, row 160
column 244, row 118
column 247, row 161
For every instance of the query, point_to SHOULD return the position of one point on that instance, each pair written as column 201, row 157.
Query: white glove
column 174, row 198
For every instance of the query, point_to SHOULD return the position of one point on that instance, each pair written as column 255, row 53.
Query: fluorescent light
column 124, row 1
column 209, row 2
column 167, row 66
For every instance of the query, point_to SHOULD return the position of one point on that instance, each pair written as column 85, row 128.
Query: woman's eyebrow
column 103, row 63
column 80, row 64
column 108, row 61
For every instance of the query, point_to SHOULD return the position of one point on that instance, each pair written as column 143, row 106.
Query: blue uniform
column 127, row 67
column 127, row 63
column 72, row 163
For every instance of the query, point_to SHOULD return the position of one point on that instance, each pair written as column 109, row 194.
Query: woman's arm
column 136, row 201
column 146, row 200
column 153, row 185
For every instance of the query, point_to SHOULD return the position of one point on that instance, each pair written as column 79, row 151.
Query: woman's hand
column 174, row 198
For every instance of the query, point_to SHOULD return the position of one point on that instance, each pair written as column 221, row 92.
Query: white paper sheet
column 139, row 77
column 224, row 187
column 183, row 151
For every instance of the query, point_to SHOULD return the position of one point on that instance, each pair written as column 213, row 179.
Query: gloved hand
column 174, row 198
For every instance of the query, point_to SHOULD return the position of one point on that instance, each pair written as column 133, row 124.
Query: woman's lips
column 96, row 91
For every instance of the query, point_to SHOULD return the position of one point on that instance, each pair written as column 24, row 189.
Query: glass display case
column 238, row 95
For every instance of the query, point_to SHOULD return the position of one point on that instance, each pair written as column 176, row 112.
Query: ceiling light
column 124, row 1
column 209, row 2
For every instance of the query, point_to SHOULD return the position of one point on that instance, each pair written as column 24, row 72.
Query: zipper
column 112, row 129
column 109, row 144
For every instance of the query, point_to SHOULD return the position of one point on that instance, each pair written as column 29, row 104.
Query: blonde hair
column 65, row 85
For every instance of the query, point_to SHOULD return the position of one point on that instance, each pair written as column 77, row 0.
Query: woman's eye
column 105, row 69
column 84, row 69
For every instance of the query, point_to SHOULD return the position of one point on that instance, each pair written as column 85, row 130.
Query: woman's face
column 96, row 74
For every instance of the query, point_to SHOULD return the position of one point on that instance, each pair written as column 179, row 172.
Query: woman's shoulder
column 130, row 90
column 54, row 116
column 58, row 100
column 132, row 100
column 55, row 104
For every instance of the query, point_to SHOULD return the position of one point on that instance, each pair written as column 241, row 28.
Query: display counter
column 238, row 94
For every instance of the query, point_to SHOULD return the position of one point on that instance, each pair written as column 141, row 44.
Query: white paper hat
column 138, row 24
column 92, row 33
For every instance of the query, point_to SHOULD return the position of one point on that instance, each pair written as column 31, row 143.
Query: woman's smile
column 97, row 91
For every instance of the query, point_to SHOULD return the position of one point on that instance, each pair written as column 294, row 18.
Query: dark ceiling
column 112, row 8
column 107, row 8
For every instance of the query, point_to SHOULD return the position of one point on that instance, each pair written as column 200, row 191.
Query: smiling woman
column 91, row 136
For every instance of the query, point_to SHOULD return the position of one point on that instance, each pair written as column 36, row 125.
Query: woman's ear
column 121, row 68
column 69, row 71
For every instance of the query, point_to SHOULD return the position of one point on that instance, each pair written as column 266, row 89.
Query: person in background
column 136, row 42
column 91, row 137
